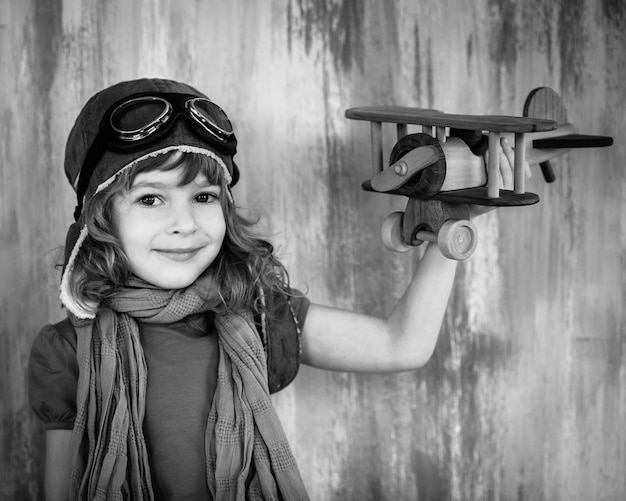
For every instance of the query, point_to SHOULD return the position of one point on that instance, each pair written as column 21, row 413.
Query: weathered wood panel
column 525, row 397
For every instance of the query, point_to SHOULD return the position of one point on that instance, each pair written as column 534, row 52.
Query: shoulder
column 62, row 331
column 55, row 340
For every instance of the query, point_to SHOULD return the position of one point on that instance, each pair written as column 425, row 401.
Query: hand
column 505, row 176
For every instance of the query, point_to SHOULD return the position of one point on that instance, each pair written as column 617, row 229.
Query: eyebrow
column 147, row 184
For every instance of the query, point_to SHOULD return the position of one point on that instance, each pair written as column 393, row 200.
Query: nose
column 183, row 219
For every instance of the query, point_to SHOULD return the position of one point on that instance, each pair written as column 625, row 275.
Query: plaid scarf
column 247, row 454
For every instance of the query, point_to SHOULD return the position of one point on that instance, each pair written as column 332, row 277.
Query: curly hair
column 244, row 266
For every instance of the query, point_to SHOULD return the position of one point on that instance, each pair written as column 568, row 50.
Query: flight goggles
column 141, row 120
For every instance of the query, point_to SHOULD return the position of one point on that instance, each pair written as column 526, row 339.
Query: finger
column 508, row 151
column 506, row 173
column 507, row 161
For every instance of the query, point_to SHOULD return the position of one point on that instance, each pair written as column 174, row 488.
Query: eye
column 148, row 200
column 207, row 197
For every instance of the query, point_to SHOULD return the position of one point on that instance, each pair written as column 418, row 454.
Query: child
column 181, row 321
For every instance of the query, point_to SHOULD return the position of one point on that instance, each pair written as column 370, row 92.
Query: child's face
column 170, row 234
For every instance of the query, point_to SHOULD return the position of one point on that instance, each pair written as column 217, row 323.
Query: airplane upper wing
column 428, row 117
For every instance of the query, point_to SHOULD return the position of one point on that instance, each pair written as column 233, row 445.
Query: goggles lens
column 211, row 117
column 137, row 118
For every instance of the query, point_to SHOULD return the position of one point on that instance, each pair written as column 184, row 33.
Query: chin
column 171, row 280
column 175, row 283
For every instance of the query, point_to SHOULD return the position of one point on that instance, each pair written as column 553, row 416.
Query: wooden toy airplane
column 442, row 172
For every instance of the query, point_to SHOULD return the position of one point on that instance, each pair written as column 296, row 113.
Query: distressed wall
column 525, row 397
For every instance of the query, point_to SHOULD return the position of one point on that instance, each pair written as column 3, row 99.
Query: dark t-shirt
column 181, row 360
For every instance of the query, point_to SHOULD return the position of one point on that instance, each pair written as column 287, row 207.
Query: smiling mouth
column 179, row 254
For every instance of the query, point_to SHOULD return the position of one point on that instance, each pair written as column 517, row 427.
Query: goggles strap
column 96, row 150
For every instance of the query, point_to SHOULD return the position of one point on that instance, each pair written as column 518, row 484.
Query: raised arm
column 341, row 340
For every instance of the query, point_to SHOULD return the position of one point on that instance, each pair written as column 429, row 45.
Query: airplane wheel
column 391, row 233
column 457, row 239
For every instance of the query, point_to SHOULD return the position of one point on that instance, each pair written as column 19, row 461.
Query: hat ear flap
column 79, row 308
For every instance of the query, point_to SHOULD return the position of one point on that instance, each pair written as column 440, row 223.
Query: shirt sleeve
column 283, row 344
column 53, row 377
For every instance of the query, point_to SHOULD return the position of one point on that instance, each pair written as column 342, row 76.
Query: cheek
column 130, row 232
column 232, row 230
column 216, row 218
column 116, row 220
column 225, row 228
column 119, row 229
